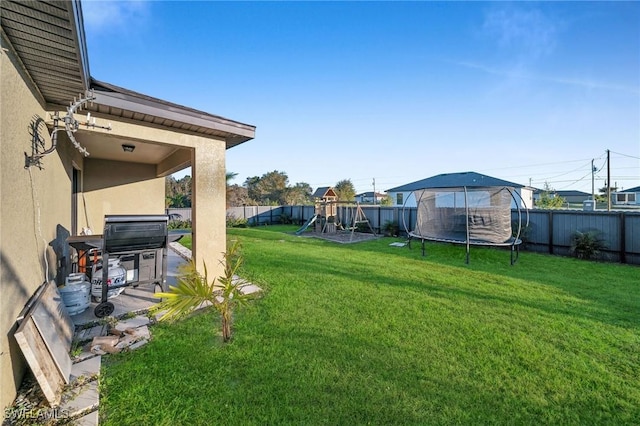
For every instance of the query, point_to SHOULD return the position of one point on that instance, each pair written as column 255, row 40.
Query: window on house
column 399, row 198
column 631, row 198
column 621, row 198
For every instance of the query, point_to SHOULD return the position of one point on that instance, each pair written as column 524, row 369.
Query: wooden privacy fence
column 548, row 231
column 551, row 231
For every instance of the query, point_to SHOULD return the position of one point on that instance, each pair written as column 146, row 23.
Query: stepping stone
column 143, row 333
column 86, row 368
column 134, row 322
column 84, row 355
column 79, row 400
column 90, row 333
column 90, row 419
column 250, row 289
column 138, row 344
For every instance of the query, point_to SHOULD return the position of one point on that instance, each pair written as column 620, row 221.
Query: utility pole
column 374, row 191
column 608, row 181
column 593, row 188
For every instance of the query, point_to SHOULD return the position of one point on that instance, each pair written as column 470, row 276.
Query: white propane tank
column 75, row 293
column 117, row 276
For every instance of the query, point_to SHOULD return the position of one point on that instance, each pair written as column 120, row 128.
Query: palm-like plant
column 194, row 290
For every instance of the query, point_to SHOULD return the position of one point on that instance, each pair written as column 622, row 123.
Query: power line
column 626, row 155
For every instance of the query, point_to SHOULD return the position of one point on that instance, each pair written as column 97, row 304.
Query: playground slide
column 307, row 224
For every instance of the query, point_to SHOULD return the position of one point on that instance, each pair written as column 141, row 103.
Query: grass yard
column 372, row 334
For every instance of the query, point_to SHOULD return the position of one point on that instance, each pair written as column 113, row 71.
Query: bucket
column 117, row 276
column 75, row 293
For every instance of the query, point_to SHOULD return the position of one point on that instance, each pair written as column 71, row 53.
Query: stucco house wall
column 31, row 214
column 115, row 187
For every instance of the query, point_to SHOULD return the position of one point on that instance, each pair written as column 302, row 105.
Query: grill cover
column 124, row 233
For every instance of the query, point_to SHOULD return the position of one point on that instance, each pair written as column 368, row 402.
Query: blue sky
column 396, row 91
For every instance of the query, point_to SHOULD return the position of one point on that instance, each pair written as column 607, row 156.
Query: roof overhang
column 122, row 103
column 48, row 38
column 49, row 41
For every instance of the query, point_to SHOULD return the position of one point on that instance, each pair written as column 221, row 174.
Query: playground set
column 328, row 221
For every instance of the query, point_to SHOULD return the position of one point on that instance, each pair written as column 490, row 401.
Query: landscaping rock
column 104, row 345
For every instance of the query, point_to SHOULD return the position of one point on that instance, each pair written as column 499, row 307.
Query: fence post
column 550, row 232
column 623, row 240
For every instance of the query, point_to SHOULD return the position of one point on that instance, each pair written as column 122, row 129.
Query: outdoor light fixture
column 128, row 148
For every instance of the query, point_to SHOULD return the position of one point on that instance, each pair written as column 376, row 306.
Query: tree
column 386, row 201
column 300, row 193
column 228, row 177
column 178, row 201
column 238, row 196
column 268, row 189
column 251, row 183
column 602, row 196
column 345, row 190
column 178, row 192
column 194, row 289
column 549, row 199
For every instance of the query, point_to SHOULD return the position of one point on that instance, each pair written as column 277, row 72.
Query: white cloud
column 527, row 31
column 106, row 16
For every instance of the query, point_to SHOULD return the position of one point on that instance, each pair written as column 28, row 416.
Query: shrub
column 285, row 219
column 390, row 228
column 525, row 231
column 587, row 245
column 236, row 222
column 179, row 224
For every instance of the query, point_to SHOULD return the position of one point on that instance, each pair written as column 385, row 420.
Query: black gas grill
column 140, row 242
column 125, row 233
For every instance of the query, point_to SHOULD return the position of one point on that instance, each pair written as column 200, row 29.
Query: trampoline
column 468, row 215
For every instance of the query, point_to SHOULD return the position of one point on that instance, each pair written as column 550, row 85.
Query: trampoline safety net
column 447, row 214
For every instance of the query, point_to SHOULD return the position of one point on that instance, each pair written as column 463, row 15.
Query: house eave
column 121, row 103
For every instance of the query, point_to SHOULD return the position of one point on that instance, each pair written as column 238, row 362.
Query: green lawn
column 372, row 334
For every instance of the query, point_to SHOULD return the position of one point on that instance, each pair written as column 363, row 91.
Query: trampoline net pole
column 466, row 209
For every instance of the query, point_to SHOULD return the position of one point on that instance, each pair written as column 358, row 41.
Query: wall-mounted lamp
column 128, row 148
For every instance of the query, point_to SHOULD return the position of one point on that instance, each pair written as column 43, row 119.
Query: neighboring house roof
column 572, row 193
column 325, row 191
column 369, row 194
column 50, row 42
column 635, row 189
column 455, row 180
